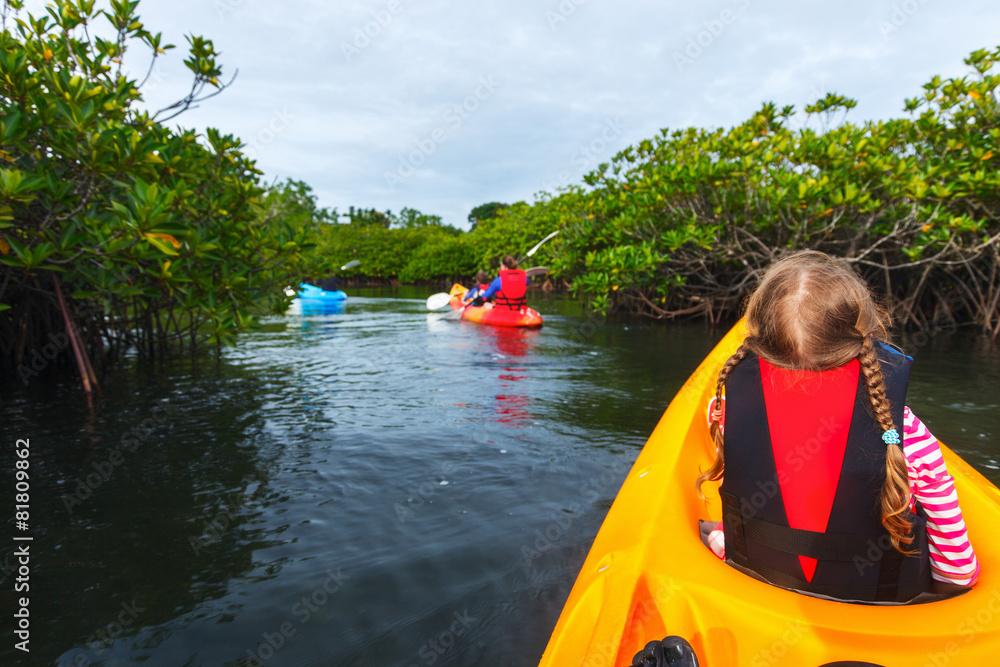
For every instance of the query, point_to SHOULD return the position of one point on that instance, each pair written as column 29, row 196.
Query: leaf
column 165, row 237
column 162, row 244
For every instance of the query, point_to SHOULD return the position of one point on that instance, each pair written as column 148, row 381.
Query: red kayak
column 490, row 314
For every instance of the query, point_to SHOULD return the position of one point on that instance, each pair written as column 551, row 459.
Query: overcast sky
column 443, row 105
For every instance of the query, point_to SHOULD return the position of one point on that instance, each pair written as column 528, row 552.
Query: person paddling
column 830, row 485
column 510, row 287
column 474, row 295
column 331, row 284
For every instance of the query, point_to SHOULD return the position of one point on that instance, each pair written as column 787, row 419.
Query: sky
column 443, row 105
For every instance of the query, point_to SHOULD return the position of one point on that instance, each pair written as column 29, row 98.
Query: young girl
column 820, row 493
column 475, row 294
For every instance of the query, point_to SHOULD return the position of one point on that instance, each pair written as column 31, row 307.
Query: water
column 375, row 486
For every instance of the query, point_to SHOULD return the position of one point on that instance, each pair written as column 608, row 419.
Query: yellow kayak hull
column 648, row 575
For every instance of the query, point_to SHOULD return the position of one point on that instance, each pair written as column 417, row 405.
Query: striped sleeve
column 952, row 559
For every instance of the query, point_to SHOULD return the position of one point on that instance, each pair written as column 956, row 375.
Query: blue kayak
column 313, row 293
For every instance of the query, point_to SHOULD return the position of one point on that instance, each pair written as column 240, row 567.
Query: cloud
column 367, row 83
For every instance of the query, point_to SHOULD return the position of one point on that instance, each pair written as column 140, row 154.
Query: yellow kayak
column 648, row 575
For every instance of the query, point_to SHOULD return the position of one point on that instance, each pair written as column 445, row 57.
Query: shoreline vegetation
column 682, row 224
column 118, row 232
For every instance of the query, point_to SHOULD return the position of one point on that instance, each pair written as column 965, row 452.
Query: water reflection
column 511, row 347
column 313, row 307
column 317, row 319
column 148, row 507
column 418, row 459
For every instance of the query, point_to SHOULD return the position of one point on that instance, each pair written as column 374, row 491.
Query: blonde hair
column 813, row 313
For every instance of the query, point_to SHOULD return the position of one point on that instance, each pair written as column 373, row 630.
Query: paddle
column 438, row 301
column 532, row 251
column 442, row 299
column 291, row 293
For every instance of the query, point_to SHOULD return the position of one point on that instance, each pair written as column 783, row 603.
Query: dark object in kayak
column 672, row 651
column 331, row 284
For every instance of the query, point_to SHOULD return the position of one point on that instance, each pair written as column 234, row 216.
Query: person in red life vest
column 820, row 492
column 474, row 295
column 510, row 287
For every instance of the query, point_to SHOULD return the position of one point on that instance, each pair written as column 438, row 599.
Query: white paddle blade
column 350, row 265
column 532, row 251
column 536, row 271
column 438, row 301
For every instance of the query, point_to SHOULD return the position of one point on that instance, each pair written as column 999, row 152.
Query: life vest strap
column 514, row 304
column 822, row 546
column 798, row 542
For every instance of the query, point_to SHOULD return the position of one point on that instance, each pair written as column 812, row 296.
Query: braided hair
column 813, row 313
column 714, row 473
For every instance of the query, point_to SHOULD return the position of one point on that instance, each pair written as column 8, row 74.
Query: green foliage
column 485, row 212
column 418, row 248
column 683, row 223
column 368, row 217
column 156, row 233
column 410, row 218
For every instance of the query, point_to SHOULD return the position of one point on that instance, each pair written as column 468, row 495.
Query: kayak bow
column 648, row 575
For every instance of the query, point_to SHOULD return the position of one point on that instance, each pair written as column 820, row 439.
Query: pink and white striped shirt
column 952, row 559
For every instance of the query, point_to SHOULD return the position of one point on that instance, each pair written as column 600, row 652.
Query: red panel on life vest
column 513, row 285
column 809, row 416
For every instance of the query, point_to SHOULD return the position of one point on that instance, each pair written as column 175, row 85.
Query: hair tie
column 716, row 415
column 891, row 437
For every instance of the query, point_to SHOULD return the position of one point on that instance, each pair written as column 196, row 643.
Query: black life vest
column 855, row 560
column 513, row 288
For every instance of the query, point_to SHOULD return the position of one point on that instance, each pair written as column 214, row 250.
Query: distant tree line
column 682, row 224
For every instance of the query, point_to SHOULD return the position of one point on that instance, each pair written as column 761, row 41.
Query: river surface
column 375, row 486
